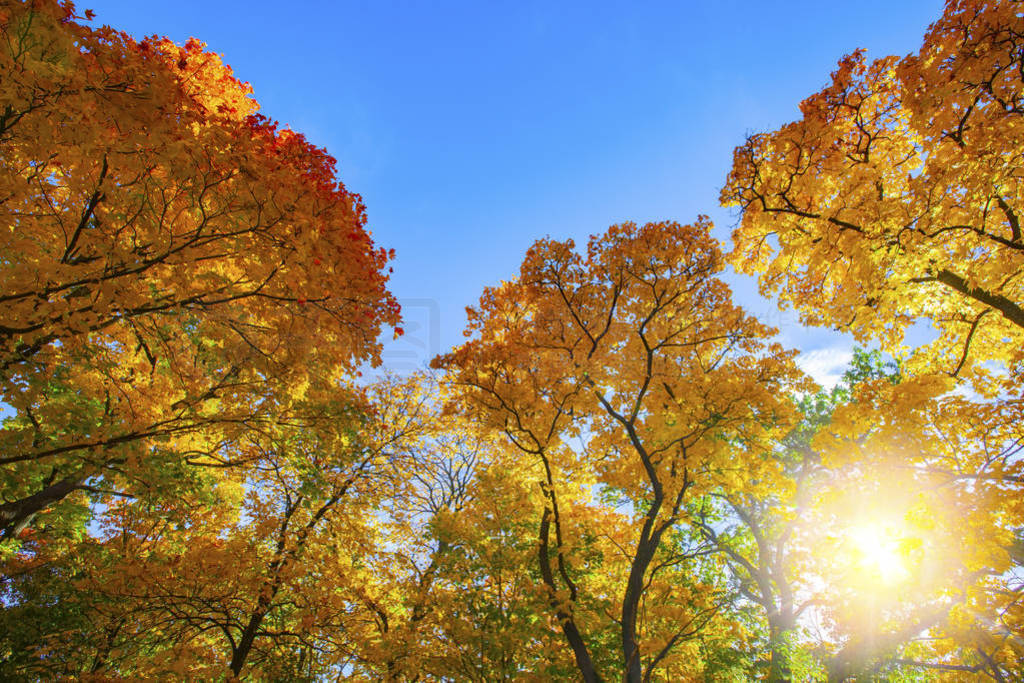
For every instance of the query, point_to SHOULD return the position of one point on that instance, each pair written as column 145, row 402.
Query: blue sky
column 473, row 128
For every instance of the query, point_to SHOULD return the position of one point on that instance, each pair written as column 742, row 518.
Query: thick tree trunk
column 241, row 652
column 646, row 548
column 18, row 514
column 779, row 629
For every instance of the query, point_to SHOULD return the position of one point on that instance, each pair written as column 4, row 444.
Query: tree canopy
column 176, row 269
column 897, row 196
column 619, row 474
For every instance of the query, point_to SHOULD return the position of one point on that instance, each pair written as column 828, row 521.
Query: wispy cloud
column 827, row 365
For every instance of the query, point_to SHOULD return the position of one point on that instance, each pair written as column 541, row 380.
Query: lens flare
column 876, row 551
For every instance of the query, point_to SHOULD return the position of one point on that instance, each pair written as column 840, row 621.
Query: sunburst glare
column 876, row 550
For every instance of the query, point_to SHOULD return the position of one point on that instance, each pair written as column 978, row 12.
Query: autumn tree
column 897, row 196
column 769, row 539
column 892, row 523
column 176, row 269
column 923, row 563
column 625, row 369
column 454, row 595
column 261, row 576
column 487, row 600
column 895, row 199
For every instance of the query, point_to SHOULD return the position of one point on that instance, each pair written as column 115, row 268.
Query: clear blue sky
column 473, row 128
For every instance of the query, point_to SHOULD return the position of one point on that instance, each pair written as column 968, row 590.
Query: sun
column 876, row 551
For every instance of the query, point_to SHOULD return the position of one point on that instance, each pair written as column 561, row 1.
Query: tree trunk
column 18, row 514
column 241, row 652
column 650, row 538
column 780, row 629
column 572, row 634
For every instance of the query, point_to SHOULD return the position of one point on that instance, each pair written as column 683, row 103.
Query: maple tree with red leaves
column 159, row 290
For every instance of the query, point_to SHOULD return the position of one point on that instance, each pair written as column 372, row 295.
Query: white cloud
column 826, row 366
